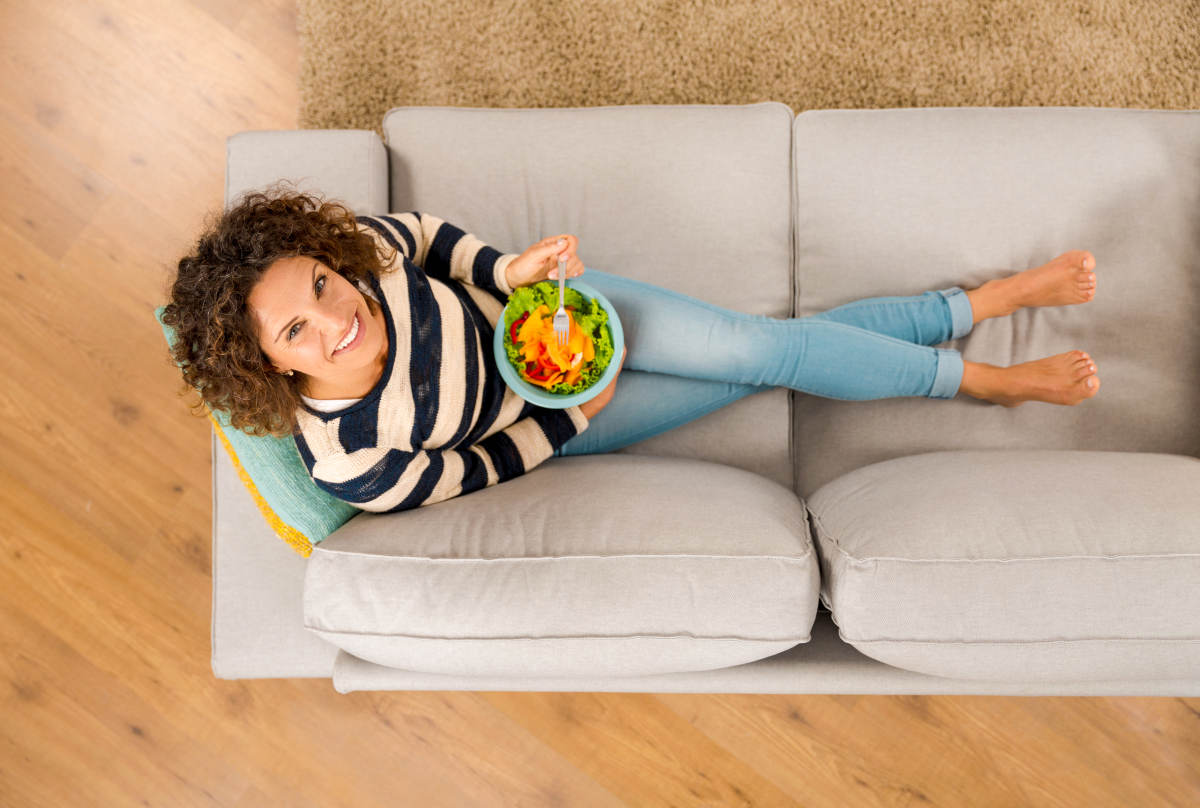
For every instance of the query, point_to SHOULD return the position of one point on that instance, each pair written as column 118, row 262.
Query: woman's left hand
column 540, row 261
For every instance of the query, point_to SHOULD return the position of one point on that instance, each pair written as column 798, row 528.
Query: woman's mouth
column 352, row 338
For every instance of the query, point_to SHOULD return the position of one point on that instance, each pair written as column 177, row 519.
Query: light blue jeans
column 686, row 358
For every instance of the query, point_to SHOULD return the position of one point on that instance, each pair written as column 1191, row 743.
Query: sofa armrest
column 349, row 165
column 257, row 579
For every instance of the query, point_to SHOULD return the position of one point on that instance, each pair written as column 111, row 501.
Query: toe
column 1087, row 260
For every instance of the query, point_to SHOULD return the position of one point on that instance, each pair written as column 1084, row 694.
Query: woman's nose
column 332, row 324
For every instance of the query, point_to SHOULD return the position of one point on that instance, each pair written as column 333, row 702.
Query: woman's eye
column 318, row 287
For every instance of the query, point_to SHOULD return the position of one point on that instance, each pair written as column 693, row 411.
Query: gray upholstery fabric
column 693, row 198
column 1017, row 565
column 348, row 165
column 258, row 591
column 824, row 665
column 901, row 201
column 590, row 565
column 257, row 619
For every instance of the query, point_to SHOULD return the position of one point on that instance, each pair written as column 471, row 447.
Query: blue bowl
column 540, row 395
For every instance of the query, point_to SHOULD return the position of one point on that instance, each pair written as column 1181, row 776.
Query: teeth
column 349, row 337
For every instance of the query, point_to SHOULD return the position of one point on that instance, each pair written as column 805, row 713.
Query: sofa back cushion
column 694, row 198
column 897, row 202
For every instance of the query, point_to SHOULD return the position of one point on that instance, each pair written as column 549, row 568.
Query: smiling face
column 313, row 321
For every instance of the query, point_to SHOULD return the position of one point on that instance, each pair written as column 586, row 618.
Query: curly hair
column 216, row 339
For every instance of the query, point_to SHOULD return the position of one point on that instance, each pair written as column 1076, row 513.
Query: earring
column 285, row 373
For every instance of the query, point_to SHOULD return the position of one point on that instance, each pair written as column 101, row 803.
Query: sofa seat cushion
column 1017, row 565
column 584, row 566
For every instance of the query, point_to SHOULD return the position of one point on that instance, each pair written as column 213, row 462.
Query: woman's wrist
column 587, row 409
column 508, row 279
column 593, row 406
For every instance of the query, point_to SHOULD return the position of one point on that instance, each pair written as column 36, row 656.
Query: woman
column 368, row 340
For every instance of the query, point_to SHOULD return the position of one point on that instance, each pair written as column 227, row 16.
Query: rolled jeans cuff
column 949, row 374
column 962, row 315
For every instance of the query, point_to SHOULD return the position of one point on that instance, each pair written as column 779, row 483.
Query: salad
column 533, row 349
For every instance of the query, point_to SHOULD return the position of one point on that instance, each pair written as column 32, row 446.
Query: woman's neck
column 324, row 391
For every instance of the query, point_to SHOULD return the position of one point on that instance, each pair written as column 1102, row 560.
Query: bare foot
column 1064, row 281
column 1062, row 379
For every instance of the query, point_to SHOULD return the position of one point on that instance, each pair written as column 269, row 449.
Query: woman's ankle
column 982, row 381
column 993, row 299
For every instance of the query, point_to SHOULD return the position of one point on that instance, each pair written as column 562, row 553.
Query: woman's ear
column 270, row 366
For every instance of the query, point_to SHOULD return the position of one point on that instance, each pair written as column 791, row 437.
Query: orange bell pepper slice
column 539, row 346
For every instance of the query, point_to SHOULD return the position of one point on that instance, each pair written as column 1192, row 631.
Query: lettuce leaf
column 589, row 315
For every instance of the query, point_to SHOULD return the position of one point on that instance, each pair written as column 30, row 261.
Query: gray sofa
column 786, row 543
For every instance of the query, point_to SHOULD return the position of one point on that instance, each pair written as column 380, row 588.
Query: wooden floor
column 113, row 119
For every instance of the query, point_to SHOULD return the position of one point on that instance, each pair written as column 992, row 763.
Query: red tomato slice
column 517, row 323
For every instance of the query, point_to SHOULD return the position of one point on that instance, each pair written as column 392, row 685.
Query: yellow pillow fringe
column 298, row 541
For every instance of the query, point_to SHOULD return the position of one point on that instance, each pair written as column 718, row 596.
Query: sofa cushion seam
column 868, row 560
column 579, row 557
column 637, row 635
column 1017, row 642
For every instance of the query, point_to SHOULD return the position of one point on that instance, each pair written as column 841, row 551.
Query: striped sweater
column 440, row 422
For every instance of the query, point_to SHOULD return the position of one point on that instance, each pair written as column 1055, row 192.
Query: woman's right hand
column 590, row 408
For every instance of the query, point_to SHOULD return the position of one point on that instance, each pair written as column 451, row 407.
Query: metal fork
column 562, row 322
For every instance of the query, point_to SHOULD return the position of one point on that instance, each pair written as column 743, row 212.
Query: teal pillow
column 297, row 510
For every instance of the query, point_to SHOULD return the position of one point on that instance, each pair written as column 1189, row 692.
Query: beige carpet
column 362, row 57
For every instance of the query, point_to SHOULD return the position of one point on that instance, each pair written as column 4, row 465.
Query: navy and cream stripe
column 440, row 422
